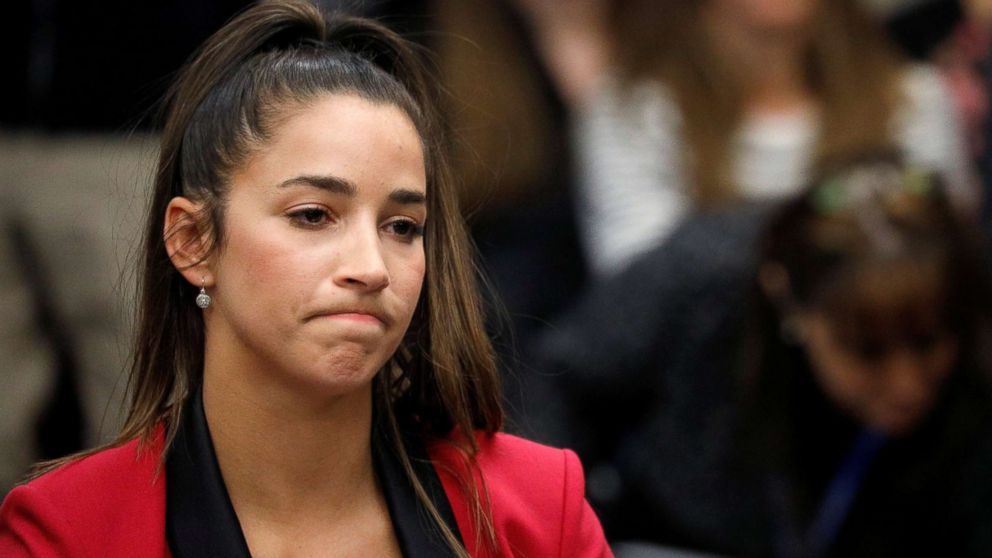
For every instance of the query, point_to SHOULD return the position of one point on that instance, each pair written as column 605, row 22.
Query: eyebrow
column 407, row 197
column 330, row 183
column 348, row 188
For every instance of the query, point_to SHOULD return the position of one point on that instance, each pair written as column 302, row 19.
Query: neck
column 769, row 67
column 284, row 455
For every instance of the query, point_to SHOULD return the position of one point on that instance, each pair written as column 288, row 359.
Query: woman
column 716, row 101
column 816, row 387
column 311, row 375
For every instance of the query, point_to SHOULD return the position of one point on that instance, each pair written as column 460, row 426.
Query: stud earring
column 203, row 299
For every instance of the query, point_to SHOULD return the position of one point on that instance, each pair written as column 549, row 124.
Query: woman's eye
column 404, row 228
column 310, row 216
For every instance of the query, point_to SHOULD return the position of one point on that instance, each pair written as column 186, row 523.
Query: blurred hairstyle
column 271, row 60
column 503, row 111
column 877, row 249
column 870, row 222
column 850, row 68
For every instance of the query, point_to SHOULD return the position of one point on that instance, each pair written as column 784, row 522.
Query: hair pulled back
column 273, row 59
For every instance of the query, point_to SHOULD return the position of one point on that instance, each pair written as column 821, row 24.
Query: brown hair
column 851, row 70
column 274, row 56
column 844, row 247
column 504, row 128
column 865, row 215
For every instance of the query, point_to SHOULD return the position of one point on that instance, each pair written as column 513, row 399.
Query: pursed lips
column 363, row 315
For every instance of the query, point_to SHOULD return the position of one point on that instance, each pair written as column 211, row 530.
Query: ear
column 775, row 283
column 188, row 240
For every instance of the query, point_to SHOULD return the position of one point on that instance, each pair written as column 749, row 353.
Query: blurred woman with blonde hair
column 719, row 101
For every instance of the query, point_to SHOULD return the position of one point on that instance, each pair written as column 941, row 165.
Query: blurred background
column 624, row 165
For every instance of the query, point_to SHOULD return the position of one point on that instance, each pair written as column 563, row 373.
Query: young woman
column 311, row 375
column 816, row 385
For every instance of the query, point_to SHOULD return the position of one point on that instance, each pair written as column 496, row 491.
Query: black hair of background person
column 96, row 66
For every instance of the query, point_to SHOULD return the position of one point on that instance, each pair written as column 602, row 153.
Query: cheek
column 408, row 280
column 849, row 385
column 942, row 360
column 258, row 265
column 846, row 381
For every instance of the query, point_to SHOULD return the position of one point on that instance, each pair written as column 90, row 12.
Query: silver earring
column 203, row 299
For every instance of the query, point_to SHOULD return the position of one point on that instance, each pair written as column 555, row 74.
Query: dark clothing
column 651, row 365
column 201, row 521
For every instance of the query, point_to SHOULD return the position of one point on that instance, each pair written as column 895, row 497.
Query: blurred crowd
column 736, row 251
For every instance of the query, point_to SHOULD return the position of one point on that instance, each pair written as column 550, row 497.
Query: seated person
column 812, row 385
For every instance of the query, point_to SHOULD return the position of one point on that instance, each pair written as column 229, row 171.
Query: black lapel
column 417, row 534
column 199, row 518
column 201, row 522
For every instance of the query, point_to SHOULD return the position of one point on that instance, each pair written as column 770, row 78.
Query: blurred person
column 954, row 36
column 805, row 379
column 583, row 137
column 311, row 372
column 967, row 61
column 71, row 178
column 28, row 361
column 70, row 207
column 718, row 101
column 512, row 70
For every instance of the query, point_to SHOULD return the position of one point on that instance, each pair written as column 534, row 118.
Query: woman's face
column 890, row 385
column 322, row 261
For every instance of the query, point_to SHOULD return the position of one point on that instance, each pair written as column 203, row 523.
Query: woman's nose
column 362, row 265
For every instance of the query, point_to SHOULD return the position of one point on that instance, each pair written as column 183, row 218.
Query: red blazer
column 113, row 504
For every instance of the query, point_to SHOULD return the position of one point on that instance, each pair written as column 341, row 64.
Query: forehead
column 890, row 299
column 366, row 143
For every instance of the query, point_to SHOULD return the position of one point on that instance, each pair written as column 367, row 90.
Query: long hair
column 275, row 56
column 505, row 149
column 851, row 69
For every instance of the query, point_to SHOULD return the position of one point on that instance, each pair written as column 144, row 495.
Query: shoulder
column 108, row 501
column 121, row 469
column 617, row 327
column 535, row 495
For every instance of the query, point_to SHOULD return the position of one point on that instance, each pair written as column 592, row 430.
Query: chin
column 324, row 385
column 900, row 425
column 336, row 374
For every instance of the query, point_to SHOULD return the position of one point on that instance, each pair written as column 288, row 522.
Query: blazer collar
column 201, row 521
